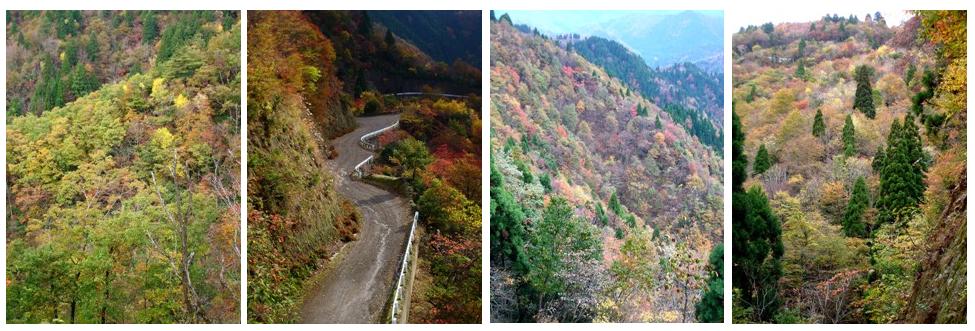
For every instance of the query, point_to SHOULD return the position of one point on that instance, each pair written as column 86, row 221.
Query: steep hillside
column 123, row 196
column 602, row 209
column 369, row 56
column 445, row 35
column 295, row 218
column 857, row 135
column 694, row 97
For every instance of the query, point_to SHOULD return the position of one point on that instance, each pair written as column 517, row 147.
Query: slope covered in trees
column 693, row 97
column 445, row 35
column 295, row 218
column 123, row 191
column 370, row 56
column 309, row 75
column 858, row 134
column 602, row 208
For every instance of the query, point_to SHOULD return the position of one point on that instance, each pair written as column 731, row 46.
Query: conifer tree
column 863, row 100
column 819, row 126
column 902, row 173
column 849, row 137
column 853, row 225
column 756, row 237
column 711, row 307
column 762, row 161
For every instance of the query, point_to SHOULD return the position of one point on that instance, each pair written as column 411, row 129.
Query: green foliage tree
column 903, row 171
column 849, row 137
column 756, row 238
column 801, row 69
column 82, row 81
column 411, row 155
column 752, row 92
column 711, row 307
column 762, row 161
column 558, row 240
column 853, row 223
column 819, row 125
column 150, row 27
column 863, row 99
column 614, row 204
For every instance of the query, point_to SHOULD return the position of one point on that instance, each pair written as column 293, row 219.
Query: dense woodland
column 849, row 170
column 603, row 209
column 309, row 75
column 123, row 151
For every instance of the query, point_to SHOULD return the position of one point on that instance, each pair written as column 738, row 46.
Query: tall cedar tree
column 801, row 70
column 150, row 29
column 507, row 226
column 819, row 125
column 711, row 307
column 902, row 172
column 863, row 100
column 849, row 137
column 762, row 161
column 756, row 238
column 853, row 224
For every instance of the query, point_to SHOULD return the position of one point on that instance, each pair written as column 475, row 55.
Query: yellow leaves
column 580, row 106
column 659, row 137
column 61, row 56
column 158, row 89
column 180, row 101
column 163, row 138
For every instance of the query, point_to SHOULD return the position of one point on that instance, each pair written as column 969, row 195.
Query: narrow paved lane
column 358, row 287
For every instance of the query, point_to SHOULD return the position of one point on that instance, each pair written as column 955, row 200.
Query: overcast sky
column 577, row 21
column 811, row 11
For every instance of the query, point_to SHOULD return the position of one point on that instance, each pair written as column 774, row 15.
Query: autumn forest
column 849, row 170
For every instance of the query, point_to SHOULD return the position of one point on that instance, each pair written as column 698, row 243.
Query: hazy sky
column 576, row 21
column 811, row 11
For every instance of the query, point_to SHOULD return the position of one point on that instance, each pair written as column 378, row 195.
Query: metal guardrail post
column 402, row 273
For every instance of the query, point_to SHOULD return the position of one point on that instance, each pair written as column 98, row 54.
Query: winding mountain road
column 359, row 286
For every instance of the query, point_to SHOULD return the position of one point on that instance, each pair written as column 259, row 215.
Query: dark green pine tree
column 849, row 137
column 657, row 124
column 614, row 204
column 819, row 126
column 878, row 159
column 507, row 226
column 902, row 173
column 91, row 48
column 853, row 224
column 711, row 307
column 801, row 70
column 801, row 53
column 762, row 161
column 756, row 237
column 751, row 94
column 863, row 100
column 150, row 28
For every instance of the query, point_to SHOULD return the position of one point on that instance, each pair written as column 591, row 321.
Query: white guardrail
column 365, row 139
column 399, row 291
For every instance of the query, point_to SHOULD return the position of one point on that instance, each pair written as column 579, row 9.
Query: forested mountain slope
column 123, row 167
column 602, row 208
column 692, row 96
column 445, row 35
column 855, row 133
column 309, row 74
column 295, row 218
column 369, row 56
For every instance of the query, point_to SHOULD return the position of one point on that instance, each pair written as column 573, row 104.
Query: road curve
column 359, row 285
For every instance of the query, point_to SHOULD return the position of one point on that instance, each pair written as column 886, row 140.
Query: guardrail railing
column 365, row 140
column 400, row 289
column 361, row 170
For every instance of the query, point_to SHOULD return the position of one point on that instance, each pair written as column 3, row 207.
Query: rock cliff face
column 940, row 287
